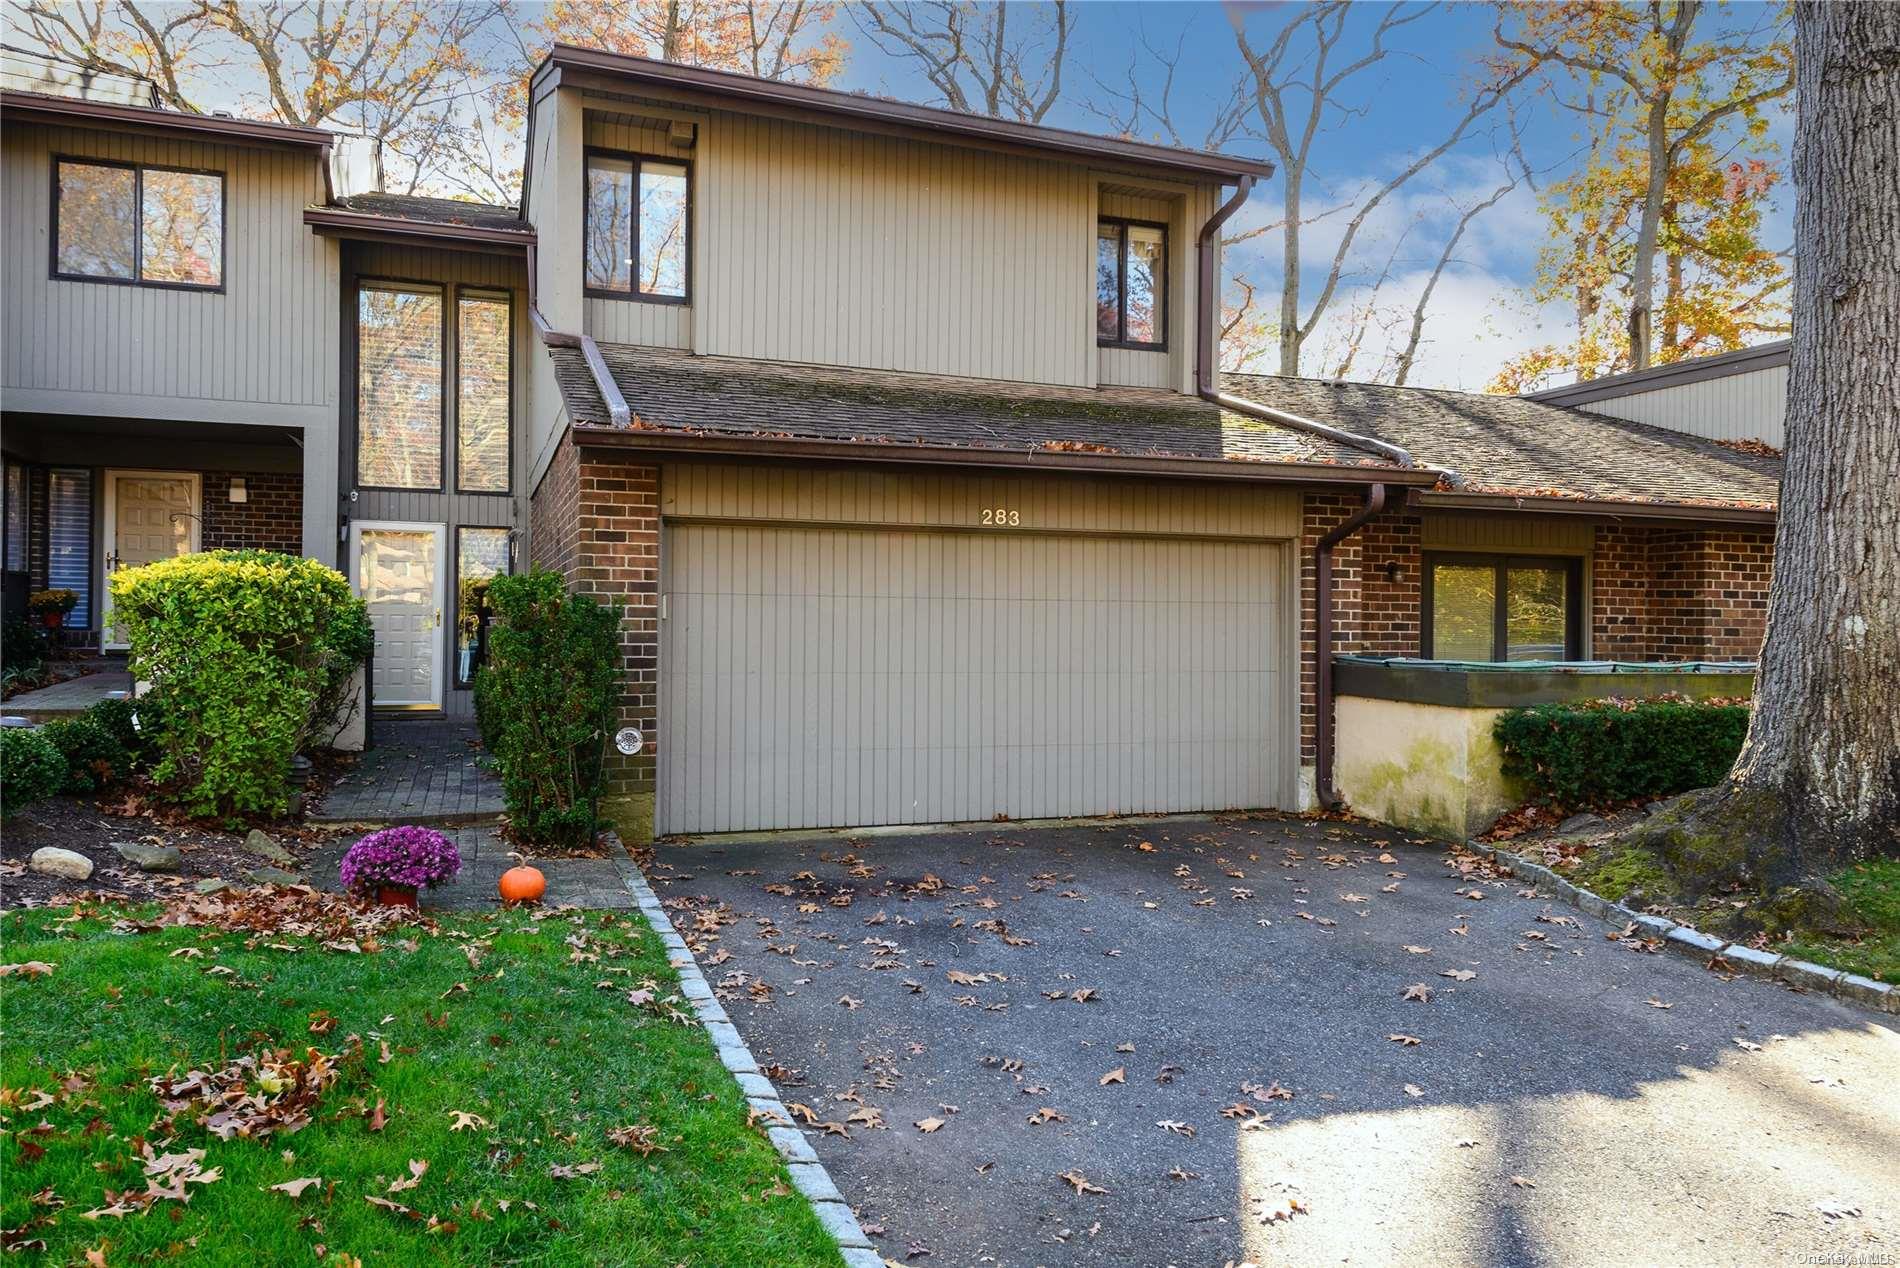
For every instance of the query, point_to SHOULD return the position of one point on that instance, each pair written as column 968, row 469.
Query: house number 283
column 1002, row 516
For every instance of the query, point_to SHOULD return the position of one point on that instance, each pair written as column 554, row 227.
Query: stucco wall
column 1425, row 767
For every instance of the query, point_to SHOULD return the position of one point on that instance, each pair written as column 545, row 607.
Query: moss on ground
column 1618, row 871
column 1871, row 892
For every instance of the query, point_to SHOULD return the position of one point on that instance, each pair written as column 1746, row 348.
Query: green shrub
column 22, row 647
column 547, row 699
column 31, row 769
column 93, row 756
column 1598, row 751
column 245, row 650
column 133, row 723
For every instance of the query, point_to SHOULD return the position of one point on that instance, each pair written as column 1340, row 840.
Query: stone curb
column 808, row 1174
column 1687, row 940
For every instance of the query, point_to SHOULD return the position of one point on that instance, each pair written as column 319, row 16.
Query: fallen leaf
column 1418, row 991
column 1117, row 1075
column 847, row 1002
column 1404, row 1041
column 1459, row 975
column 560, row 1171
column 1747, row 1046
column 928, row 1125
column 1178, row 1128
column 1413, row 1089
column 417, row 1169
column 32, row 968
column 1521, row 1182
column 379, row 1116
column 1080, row 1182
column 1176, row 1173
column 1653, row 1002
column 1047, row 1115
column 465, row 1121
column 295, row 1188
column 1418, row 950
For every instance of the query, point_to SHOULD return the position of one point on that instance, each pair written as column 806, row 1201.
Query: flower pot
column 397, row 896
column 52, row 619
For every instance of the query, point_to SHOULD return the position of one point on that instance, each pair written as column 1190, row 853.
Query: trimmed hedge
column 1598, row 751
column 31, row 769
column 245, row 650
column 547, row 700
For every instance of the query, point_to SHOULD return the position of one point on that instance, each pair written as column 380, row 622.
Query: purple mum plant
column 409, row 857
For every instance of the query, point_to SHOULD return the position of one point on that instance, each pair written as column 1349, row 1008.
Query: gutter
column 341, row 222
column 1323, row 644
column 690, row 444
column 1593, row 508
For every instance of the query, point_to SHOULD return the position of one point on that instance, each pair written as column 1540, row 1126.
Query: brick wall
column 596, row 518
column 271, row 517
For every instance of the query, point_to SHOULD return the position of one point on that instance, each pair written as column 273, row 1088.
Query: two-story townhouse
column 901, row 433
column 898, row 430
column 208, row 346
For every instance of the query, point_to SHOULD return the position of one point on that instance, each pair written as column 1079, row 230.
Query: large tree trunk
column 1290, row 272
column 1824, row 740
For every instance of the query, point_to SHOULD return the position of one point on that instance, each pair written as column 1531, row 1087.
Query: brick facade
column 596, row 518
column 270, row 517
column 1658, row 592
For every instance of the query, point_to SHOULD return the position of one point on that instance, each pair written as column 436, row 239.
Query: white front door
column 398, row 570
column 150, row 515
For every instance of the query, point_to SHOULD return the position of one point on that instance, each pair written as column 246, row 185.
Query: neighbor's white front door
column 398, row 570
column 150, row 515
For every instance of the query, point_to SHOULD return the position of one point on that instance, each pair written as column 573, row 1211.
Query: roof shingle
column 434, row 211
column 1507, row 444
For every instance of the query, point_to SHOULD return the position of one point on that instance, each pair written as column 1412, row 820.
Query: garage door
column 843, row 677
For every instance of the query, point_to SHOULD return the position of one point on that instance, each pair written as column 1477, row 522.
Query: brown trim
column 490, row 294
column 725, row 89
column 1595, row 508
column 1501, row 564
column 636, row 159
column 32, row 107
column 1677, row 374
column 684, row 444
column 336, row 222
column 138, row 171
column 1121, row 339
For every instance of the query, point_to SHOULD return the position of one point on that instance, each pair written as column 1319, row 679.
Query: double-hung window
column 1131, row 284
column 138, row 225
column 638, row 218
column 1502, row 607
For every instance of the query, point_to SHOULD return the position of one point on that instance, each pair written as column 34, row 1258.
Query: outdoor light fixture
column 238, row 492
column 629, row 740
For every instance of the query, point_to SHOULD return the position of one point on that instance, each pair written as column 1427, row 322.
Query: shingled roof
column 1507, row 444
column 1498, row 445
column 434, row 211
column 677, row 391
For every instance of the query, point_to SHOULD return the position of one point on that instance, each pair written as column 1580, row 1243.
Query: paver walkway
column 63, row 699
column 1197, row 1041
column 578, row 882
column 418, row 772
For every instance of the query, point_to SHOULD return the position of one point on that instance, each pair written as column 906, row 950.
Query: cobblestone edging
column 808, row 1174
column 1687, row 940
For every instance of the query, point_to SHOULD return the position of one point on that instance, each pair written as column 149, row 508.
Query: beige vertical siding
column 264, row 350
column 1735, row 407
column 816, row 677
column 1042, row 503
column 841, row 248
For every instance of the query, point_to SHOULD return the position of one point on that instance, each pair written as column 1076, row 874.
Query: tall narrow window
column 399, row 387
column 16, row 496
column 480, row 554
column 69, row 539
column 1131, row 284
column 483, row 379
column 1502, row 607
column 122, row 222
column 635, row 239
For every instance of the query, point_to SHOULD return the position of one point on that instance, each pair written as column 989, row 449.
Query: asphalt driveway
column 1279, row 1040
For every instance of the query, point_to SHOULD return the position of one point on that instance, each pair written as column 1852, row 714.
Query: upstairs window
column 635, row 236
column 140, row 225
column 399, row 340
column 1131, row 308
column 1502, row 607
column 484, row 383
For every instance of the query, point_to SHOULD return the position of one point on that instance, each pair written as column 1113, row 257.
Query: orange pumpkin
column 522, row 885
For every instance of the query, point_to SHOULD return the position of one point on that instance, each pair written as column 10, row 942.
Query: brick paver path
column 418, row 772
column 63, row 699
column 592, row 883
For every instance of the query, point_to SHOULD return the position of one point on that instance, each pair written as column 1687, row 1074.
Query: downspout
column 618, row 412
column 1323, row 644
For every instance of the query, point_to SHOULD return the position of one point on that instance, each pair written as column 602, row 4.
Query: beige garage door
column 843, row 677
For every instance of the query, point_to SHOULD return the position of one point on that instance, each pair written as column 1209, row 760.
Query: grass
column 1872, row 891
column 532, row 1046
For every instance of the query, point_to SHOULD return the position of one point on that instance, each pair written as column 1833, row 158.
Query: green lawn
column 525, row 1040
column 1872, row 891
